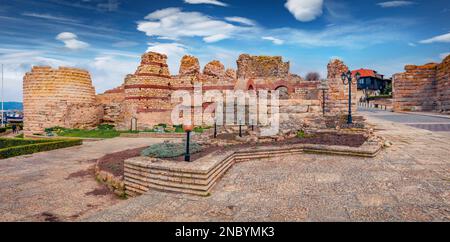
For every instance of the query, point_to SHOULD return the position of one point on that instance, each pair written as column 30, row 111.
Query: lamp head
column 344, row 77
column 188, row 128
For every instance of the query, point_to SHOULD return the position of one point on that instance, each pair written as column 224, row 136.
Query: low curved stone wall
column 199, row 177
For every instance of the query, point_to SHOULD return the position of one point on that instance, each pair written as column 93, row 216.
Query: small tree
column 313, row 76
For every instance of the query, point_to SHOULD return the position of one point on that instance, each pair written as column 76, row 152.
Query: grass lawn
column 96, row 133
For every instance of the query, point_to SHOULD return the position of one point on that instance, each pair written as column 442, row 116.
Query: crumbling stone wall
column 443, row 85
column 423, row 88
column 146, row 94
column 112, row 104
column 59, row 97
column 261, row 66
column 338, row 93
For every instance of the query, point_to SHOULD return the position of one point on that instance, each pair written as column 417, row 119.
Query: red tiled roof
column 364, row 73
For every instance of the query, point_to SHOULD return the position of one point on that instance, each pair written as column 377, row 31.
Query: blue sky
column 107, row 37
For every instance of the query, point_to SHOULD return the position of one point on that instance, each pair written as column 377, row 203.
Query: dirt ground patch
column 113, row 163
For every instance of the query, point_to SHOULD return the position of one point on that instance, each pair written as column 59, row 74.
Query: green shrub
column 162, row 125
column 105, row 127
column 301, row 134
column 179, row 129
column 20, row 136
column 5, row 142
column 2, row 130
column 170, row 150
column 35, row 146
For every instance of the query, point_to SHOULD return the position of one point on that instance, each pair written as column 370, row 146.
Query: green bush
column 105, row 127
column 170, row 150
column 20, row 136
column 26, row 147
column 2, row 130
column 162, row 125
column 178, row 129
column 5, row 142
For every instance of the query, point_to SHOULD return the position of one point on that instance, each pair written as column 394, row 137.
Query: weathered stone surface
column 423, row 88
column 261, row 66
column 230, row 73
column 338, row 94
column 189, row 66
column 215, row 69
column 146, row 95
column 59, row 97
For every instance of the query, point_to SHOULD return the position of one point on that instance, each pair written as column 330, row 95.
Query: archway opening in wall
column 251, row 88
column 283, row 92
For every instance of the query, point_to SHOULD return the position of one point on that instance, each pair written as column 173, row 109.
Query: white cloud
column 352, row 36
column 395, row 4
column 215, row 38
column 445, row 38
column 213, row 2
column 412, row 44
column 443, row 55
column 71, row 41
column 274, row 40
column 173, row 23
column 305, row 10
column 241, row 20
column 48, row 17
column 109, row 71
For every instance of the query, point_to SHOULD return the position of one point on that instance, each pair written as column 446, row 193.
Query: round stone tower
column 61, row 97
column 147, row 92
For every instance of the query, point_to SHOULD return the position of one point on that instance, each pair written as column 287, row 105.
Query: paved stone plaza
column 58, row 185
column 409, row 181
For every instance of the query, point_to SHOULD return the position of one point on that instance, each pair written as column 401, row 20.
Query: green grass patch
column 379, row 97
column 104, row 131
column 17, row 147
column 20, row 136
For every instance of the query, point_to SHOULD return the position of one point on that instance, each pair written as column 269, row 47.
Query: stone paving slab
column 39, row 187
column 410, row 181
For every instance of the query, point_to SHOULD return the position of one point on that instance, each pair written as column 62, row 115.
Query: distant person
column 14, row 129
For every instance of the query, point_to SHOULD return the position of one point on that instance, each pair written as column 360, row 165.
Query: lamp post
column 187, row 129
column 240, row 128
column 324, row 88
column 347, row 80
column 215, row 128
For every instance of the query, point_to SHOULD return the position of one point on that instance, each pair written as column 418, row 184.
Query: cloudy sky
column 107, row 37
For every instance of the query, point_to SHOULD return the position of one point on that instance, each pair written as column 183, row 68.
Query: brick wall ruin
column 337, row 93
column 423, row 88
column 58, row 97
column 146, row 94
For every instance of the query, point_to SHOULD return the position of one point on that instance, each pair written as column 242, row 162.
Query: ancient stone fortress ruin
column 423, row 88
column 61, row 97
column 65, row 96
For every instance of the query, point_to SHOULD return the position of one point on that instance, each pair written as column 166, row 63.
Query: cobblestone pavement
column 59, row 184
column 409, row 181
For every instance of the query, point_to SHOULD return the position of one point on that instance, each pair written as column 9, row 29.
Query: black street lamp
column 187, row 129
column 324, row 88
column 215, row 128
column 347, row 79
column 240, row 128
